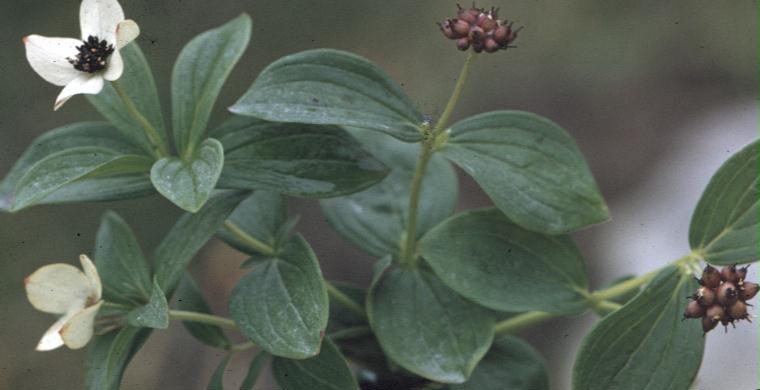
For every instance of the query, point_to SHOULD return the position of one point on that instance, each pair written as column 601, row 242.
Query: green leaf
column 108, row 356
column 254, row 369
column 188, row 183
column 326, row 371
column 137, row 82
column 644, row 345
column 620, row 299
column 66, row 137
column 189, row 298
column 331, row 87
column 199, row 73
column 217, row 378
column 375, row 219
column 123, row 269
column 510, row 364
column 189, row 235
column 282, row 305
column 483, row 256
column 82, row 173
column 724, row 227
column 262, row 216
column 424, row 326
column 294, row 159
column 154, row 314
column 531, row 169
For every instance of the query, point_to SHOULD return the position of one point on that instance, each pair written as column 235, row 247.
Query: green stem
column 522, row 321
column 443, row 121
column 241, row 346
column 408, row 249
column 159, row 147
column 408, row 255
column 607, row 306
column 623, row 288
column 345, row 300
column 203, row 318
column 248, row 239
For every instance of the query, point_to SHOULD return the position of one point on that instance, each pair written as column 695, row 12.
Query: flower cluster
column 722, row 297
column 480, row 29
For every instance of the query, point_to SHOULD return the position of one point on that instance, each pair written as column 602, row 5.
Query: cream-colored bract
column 49, row 57
column 64, row 289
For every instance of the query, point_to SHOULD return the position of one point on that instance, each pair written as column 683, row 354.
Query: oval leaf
column 82, row 173
column 510, row 364
column 282, row 305
column 531, row 169
column 188, row 183
column 326, row 371
column 189, row 298
column 198, row 76
column 154, row 314
column 108, row 356
column 483, row 256
column 724, row 227
column 295, row 159
column 425, row 327
column 123, row 269
column 137, row 82
column 375, row 219
column 331, row 87
column 644, row 345
column 66, row 137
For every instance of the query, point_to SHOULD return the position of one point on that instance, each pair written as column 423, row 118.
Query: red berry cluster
column 479, row 29
column 722, row 297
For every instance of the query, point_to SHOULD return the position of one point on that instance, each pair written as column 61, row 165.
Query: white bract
column 80, row 66
column 75, row 295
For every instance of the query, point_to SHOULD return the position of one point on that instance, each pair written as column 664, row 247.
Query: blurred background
column 657, row 95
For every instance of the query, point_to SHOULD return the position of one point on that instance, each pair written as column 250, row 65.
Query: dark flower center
column 92, row 55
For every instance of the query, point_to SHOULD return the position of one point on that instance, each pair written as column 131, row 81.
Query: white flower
column 64, row 289
column 81, row 66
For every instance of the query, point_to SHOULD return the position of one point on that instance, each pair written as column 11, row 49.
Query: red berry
column 463, row 43
column 708, row 324
column 469, row 15
column 491, row 45
column 738, row 310
column 715, row 312
column 705, row 296
column 460, row 27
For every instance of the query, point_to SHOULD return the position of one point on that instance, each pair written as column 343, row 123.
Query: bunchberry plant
column 449, row 289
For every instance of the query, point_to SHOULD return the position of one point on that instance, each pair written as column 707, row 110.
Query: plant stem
column 203, row 318
column 408, row 255
column 607, row 306
column 241, row 346
column 248, row 239
column 345, row 300
column 623, row 288
column 444, row 119
column 159, row 147
column 522, row 321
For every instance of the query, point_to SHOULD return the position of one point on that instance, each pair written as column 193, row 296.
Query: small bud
column 727, row 293
column 738, row 310
column 446, row 29
column 710, row 277
column 708, row 324
column 486, row 22
column 694, row 310
column 501, row 33
column 469, row 15
column 704, row 296
column 741, row 273
column 715, row 312
column 728, row 274
column 491, row 45
column 748, row 291
column 463, row 43
column 460, row 27
column 476, row 35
